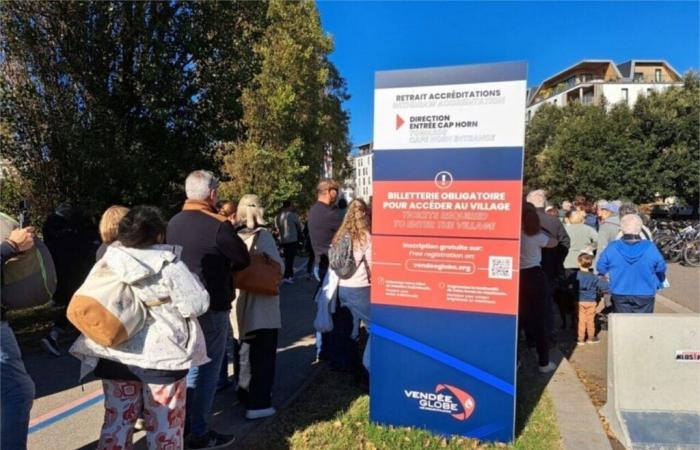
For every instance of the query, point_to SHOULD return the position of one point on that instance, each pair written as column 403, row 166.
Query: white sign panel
column 472, row 115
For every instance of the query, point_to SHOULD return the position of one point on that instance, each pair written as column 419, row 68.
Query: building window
column 638, row 76
column 625, row 94
column 657, row 76
column 555, row 101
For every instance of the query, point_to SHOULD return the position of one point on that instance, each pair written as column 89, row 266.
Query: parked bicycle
column 677, row 241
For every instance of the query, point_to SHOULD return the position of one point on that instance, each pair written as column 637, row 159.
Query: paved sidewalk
column 685, row 286
column 577, row 417
column 67, row 415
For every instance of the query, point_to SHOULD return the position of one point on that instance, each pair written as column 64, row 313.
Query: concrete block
column 654, row 380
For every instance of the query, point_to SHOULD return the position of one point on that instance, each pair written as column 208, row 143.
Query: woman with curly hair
column 353, row 291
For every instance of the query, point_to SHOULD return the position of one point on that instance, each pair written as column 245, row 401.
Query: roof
column 580, row 63
column 562, row 72
column 624, row 70
column 627, row 68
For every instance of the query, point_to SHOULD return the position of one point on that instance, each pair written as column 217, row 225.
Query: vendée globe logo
column 446, row 399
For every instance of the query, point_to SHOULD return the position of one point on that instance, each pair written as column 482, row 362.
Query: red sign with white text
column 478, row 275
column 447, row 208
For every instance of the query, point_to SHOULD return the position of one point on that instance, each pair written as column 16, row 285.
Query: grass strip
column 333, row 413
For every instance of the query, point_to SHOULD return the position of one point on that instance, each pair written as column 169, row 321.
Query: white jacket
column 171, row 339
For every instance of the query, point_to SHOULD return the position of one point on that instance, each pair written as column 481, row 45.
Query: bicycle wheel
column 675, row 251
column 691, row 253
column 664, row 245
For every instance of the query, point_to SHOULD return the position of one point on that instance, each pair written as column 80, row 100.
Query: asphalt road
column 67, row 415
column 685, row 286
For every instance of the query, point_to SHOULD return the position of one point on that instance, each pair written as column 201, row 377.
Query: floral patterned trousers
column 163, row 407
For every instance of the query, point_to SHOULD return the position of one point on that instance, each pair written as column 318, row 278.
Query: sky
column 550, row 36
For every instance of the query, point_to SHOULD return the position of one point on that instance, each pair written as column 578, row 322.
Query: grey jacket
column 606, row 234
column 288, row 227
column 582, row 237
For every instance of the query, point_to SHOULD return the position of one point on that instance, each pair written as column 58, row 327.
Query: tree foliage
column 292, row 112
column 618, row 152
column 115, row 102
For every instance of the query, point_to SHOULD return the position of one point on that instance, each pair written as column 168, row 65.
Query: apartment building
column 362, row 164
column 590, row 80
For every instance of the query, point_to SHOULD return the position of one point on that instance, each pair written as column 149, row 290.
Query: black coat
column 553, row 258
column 212, row 250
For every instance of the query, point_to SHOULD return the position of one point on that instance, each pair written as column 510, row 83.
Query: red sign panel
column 454, row 274
column 443, row 207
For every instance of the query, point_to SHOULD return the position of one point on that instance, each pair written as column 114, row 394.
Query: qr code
column 501, row 267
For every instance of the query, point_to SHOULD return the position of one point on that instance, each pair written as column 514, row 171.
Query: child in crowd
column 586, row 285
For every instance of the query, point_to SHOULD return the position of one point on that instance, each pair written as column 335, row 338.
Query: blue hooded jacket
column 634, row 268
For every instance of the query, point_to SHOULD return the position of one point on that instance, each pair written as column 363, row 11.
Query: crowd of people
column 209, row 280
column 578, row 256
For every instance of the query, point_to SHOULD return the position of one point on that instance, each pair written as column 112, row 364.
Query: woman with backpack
column 256, row 316
column 353, row 286
column 148, row 369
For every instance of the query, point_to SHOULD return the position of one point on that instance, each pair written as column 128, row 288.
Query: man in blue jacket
column 634, row 267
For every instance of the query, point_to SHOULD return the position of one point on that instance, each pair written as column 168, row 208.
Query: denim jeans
column 356, row 299
column 202, row 380
column 16, row 393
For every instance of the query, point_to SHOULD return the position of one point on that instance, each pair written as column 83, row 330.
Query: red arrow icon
column 399, row 121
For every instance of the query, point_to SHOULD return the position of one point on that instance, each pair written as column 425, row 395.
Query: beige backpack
column 105, row 308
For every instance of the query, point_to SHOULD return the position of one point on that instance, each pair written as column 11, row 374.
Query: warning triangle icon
column 399, row 121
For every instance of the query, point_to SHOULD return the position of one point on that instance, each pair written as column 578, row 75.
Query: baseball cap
column 326, row 185
column 610, row 206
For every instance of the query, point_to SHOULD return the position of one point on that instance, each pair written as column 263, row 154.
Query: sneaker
column 212, row 440
column 551, row 367
column 580, row 342
column 50, row 345
column 253, row 414
column 594, row 340
column 289, row 280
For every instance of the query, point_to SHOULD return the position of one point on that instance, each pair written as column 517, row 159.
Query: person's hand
column 22, row 238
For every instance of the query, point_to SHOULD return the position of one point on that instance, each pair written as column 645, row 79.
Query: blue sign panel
column 447, row 168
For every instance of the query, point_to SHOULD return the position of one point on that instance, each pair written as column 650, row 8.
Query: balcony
column 545, row 93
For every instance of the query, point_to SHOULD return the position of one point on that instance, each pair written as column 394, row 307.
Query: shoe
column 253, row 414
column 551, row 367
column 50, row 345
column 211, row 441
column 140, row 424
column 580, row 342
column 288, row 280
column 594, row 340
